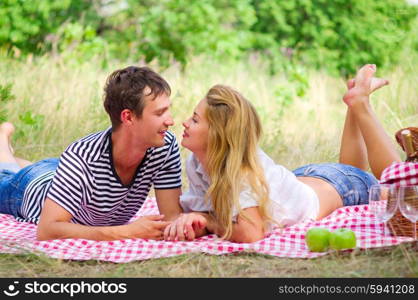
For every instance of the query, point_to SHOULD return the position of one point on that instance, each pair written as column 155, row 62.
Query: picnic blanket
column 400, row 174
column 19, row 237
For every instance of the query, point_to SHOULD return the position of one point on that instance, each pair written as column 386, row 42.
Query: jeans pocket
column 351, row 197
column 308, row 171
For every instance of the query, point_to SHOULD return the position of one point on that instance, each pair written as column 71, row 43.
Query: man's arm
column 168, row 202
column 55, row 223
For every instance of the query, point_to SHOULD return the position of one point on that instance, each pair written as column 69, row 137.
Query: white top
column 292, row 201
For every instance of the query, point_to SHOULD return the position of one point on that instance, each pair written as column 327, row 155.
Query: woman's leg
column 6, row 155
column 353, row 148
column 23, row 162
column 6, row 152
column 381, row 151
column 380, row 148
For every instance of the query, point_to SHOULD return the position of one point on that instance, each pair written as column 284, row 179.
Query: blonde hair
column 232, row 159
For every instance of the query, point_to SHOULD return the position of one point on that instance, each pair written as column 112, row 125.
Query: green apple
column 342, row 238
column 317, row 239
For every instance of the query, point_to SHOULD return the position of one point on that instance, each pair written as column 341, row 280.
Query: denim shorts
column 351, row 183
column 13, row 183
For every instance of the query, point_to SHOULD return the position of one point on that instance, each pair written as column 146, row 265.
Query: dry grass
column 399, row 261
column 308, row 130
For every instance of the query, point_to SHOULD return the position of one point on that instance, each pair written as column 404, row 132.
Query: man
column 102, row 180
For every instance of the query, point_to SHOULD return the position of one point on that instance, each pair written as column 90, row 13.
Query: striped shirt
column 33, row 198
column 87, row 186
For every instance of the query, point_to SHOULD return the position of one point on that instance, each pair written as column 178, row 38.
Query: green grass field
column 398, row 261
column 58, row 102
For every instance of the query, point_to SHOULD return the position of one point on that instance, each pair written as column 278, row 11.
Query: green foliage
column 5, row 97
column 335, row 35
column 177, row 29
column 30, row 123
column 296, row 86
column 26, row 25
column 32, row 119
column 6, row 93
column 80, row 42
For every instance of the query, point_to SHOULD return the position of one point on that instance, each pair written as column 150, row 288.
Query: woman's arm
column 245, row 230
column 192, row 225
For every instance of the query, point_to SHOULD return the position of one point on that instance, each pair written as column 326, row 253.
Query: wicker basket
column 398, row 224
column 401, row 226
column 414, row 132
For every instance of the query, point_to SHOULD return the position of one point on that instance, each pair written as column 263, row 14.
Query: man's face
column 151, row 127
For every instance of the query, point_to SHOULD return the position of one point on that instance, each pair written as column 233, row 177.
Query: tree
column 335, row 35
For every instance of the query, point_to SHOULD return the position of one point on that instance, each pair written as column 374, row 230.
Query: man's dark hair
column 124, row 89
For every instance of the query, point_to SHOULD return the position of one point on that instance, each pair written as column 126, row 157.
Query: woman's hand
column 187, row 226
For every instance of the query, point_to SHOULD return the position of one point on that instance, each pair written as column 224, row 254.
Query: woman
column 236, row 190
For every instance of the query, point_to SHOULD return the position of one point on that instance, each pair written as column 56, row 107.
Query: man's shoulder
column 90, row 147
column 170, row 138
column 169, row 153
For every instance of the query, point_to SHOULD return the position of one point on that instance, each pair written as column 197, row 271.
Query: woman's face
column 196, row 129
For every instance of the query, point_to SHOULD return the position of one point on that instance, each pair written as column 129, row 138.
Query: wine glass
column 383, row 201
column 408, row 204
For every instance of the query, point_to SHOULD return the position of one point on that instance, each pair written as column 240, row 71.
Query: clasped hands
column 187, row 226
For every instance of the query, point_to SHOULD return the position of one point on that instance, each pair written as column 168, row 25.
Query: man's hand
column 187, row 226
column 148, row 227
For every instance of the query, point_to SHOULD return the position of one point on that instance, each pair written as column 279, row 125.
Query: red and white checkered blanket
column 19, row 237
column 400, row 174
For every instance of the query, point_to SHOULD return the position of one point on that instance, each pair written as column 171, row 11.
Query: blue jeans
column 13, row 184
column 351, row 183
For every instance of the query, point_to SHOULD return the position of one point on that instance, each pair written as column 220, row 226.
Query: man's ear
column 126, row 116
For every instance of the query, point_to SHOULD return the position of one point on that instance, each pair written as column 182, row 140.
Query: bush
column 335, row 35
column 25, row 25
column 178, row 29
column 5, row 97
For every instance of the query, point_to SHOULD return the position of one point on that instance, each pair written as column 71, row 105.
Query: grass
column 399, row 261
column 57, row 102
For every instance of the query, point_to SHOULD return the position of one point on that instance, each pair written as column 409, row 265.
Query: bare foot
column 375, row 84
column 360, row 88
column 6, row 130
